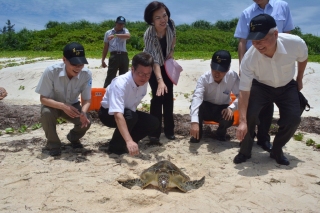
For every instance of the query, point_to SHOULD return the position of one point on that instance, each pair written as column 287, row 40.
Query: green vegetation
column 61, row 120
column 197, row 40
column 310, row 142
column 298, row 136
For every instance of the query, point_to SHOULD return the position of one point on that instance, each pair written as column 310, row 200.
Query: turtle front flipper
column 131, row 183
column 189, row 185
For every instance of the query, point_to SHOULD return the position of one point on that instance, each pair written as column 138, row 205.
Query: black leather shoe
column 154, row 141
column 240, row 158
column 76, row 145
column 266, row 145
column 194, row 140
column 55, row 152
column 170, row 137
column 280, row 158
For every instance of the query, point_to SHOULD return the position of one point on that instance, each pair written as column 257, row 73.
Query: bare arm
column 104, row 54
column 68, row 109
column 301, row 68
column 243, row 106
column 123, row 128
column 122, row 36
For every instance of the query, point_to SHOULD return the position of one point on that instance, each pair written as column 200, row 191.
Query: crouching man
column 119, row 107
column 59, row 88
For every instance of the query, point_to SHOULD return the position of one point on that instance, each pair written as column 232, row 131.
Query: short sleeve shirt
column 116, row 44
column 208, row 90
column 55, row 84
column 277, row 71
column 122, row 94
column 278, row 9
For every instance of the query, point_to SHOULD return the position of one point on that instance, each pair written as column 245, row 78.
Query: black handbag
column 304, row 105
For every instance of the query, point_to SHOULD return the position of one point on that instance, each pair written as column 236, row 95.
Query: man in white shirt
column 119, row 104
column 267, row 72
column 280, row 11
column 211, row 99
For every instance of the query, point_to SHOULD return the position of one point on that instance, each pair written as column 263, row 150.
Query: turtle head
column 163, row 182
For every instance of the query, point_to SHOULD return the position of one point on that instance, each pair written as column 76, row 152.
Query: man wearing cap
column 115, row 43
column 119, row 107
column 211, row 98
column 267, row 72
column 59, row 88
column 280, row 11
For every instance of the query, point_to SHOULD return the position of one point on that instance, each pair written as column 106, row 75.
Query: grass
column 205, row 55
column 298, row 136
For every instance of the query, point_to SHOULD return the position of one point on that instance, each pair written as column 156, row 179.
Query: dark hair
column 142, row 58
column 153, row 6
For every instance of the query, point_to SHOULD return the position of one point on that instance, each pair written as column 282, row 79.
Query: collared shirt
column 152, row 44
column 123, row 93
column 116, row 44
column 276, row 71
column 55, row 84
column 279, row 10
column 208, row 90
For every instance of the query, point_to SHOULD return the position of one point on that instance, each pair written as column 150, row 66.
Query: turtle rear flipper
column 194, row 184
column 131, row 183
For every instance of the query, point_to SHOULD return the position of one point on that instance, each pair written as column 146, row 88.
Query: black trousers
column 287, row 100
column 140, row 124
column 212, row 112
column 116, row 61
column 265, row 119
column 159, row 103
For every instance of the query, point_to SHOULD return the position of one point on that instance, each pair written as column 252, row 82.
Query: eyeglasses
column 141, row 74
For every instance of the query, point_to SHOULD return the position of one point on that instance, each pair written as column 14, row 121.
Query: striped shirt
column 152, row 44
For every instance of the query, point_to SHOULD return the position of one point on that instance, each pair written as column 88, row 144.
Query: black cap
column 74, row 52
column 260, row 26
column 221, row 61
column 121, row 20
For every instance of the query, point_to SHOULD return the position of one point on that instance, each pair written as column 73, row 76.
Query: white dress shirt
column 217, row 93
column 277, row 71
column 123, row 93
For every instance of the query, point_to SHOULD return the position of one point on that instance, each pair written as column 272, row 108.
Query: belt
column 118, row 53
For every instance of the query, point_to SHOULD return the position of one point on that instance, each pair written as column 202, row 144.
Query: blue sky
column 34, row 14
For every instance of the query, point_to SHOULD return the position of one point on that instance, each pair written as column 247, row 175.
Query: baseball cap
column 221, row 61
column 260, row 26
column 121, row 20
column 74, row 52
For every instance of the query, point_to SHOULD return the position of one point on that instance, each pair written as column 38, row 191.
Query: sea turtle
column 164, row 175
column 3, row 93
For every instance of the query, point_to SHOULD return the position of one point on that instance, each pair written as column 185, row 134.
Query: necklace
column 160, row 35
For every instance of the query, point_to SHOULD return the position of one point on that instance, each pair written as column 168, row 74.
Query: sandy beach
column 87, row 180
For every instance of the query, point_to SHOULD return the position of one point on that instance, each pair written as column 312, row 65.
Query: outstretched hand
column 162, row 88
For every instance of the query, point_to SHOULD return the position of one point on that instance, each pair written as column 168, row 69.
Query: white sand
column 31, row 181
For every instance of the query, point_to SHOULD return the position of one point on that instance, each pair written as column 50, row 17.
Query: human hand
column 84, row 120
column 110, row 37
column 132, row 148
column 241, row 131
column 194, row 130
column 104, row 65
column 71, row 111
column 227, row 114
column 162, row 88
